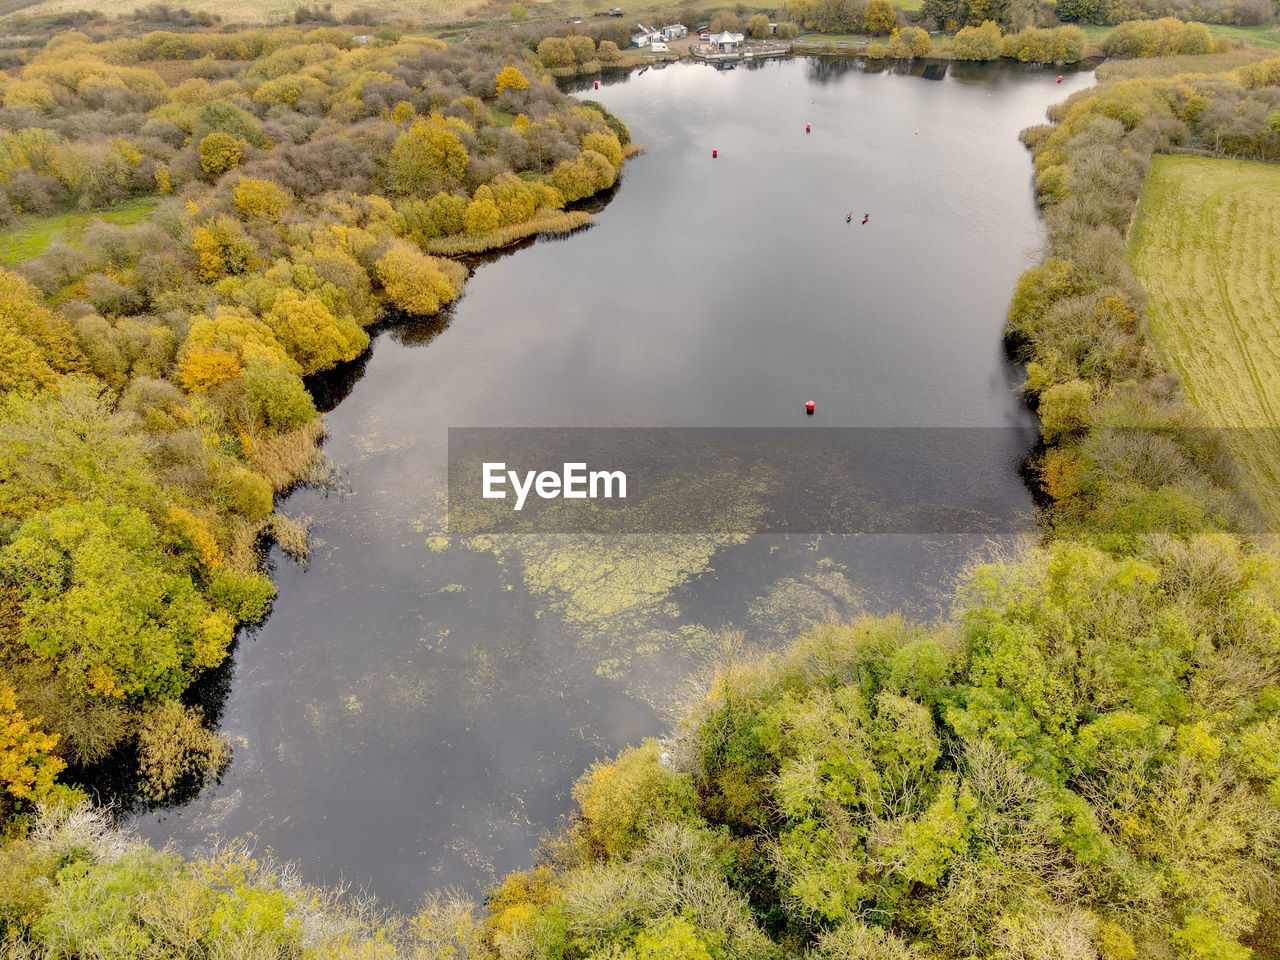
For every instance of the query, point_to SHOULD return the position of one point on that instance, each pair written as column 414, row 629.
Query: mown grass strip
column 1206, row 246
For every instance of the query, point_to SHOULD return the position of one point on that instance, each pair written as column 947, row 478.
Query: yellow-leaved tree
column 509, row 78
column 260, row 198
column 219, row 152
column 36, row 344
column 313, row 336
column 428, row 157
column 417, row 283
column 28, row 767
column 482, row 215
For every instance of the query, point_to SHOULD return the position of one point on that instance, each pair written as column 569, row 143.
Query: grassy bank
column 1265, row 36
column 1206, row 246
column 31, row 237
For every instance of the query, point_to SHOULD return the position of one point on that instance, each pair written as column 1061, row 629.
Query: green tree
column 222, row 117
column 518, row 12
column 276, row 396
column 101, row 601
column 947, row 14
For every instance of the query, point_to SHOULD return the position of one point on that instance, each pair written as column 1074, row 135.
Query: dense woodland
column 1082, row 763
column 152, row 401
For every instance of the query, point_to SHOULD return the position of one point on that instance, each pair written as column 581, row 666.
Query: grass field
column 1266, row 36
column 33, row 235
column 1206, row 246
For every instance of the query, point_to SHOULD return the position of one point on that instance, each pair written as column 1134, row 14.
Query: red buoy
column 1059, row 78
column 714, row 154
column 810, row 407
column 597, row 84
column 808, row 127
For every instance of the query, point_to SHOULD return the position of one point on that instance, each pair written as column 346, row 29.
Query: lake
column 417, row 706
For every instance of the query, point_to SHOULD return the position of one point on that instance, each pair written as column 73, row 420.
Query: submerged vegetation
column 152, row 401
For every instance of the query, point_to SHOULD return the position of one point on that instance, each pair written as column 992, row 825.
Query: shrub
column 978, row 43
column 260, row 198
column 416, row 283
column 276, row 396
column 620, row 801
column 245, row 493
column 219, row 152
column 176, row 751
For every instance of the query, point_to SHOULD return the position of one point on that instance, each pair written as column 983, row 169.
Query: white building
column 674, row 31
column 646, row 36
column 726, row 42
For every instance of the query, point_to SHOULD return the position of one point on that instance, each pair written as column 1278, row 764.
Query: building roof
column 726, row 37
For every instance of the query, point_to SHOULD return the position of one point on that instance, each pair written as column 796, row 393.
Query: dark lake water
column 416, row 708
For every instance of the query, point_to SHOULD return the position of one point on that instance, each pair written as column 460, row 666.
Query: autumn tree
column 482, row 215
column 427, row 157
column 36, row 345
column 978, row 43
column 222, row 247
column 510, row 78
column 908, row 42
column 416, row 283
column 175, row 749
column 880, row 17
column 28, row 766
column 219, row 152
column 254, row 197
column 313, row 336
column 758, row 26
column 101, row 601
column 555, row 52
